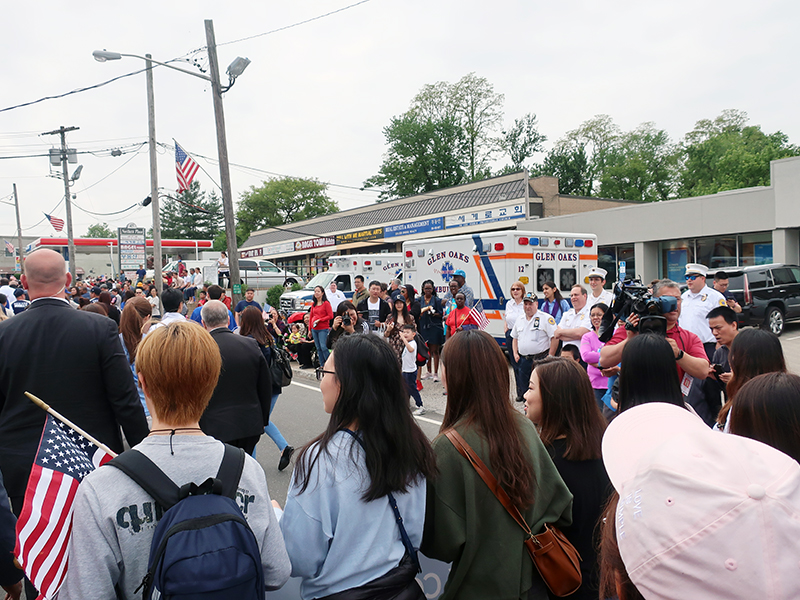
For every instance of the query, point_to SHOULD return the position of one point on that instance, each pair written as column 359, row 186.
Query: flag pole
column 46, row 407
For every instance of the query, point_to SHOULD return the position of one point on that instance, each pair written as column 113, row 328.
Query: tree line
column 453, row 133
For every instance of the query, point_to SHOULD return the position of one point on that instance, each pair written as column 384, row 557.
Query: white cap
column 696, row 268
column 598, row 272
column 702, row 514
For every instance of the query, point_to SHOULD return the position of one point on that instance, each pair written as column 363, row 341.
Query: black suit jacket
column 240, row 405
column 74, row 361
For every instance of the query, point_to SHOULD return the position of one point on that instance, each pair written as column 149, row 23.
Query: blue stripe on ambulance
column 493, row 304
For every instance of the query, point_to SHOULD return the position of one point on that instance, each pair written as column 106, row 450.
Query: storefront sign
column 413, row 227
column 251, row 253
column 487, row 215
column 314, row 243
column 131, row 244
column 360, row 236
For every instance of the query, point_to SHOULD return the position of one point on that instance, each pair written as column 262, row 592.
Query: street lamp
column 235, row 69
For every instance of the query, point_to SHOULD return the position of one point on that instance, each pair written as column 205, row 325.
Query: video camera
column 632, row 297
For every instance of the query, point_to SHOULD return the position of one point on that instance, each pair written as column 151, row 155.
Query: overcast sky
column 316, row 97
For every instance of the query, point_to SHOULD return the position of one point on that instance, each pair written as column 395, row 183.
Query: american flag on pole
column 9, row 246
column 476, row 312
column 44, row 526
column 58, row 224
column 186, row 168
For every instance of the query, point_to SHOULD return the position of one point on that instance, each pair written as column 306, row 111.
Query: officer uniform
column 606, row 297
column 533, row 343
column 571, row 319
column 695, row 307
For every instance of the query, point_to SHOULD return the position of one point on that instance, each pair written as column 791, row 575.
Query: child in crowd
column 409, row 359
column 296, row 336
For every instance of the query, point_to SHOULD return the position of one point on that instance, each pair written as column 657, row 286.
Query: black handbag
column 280, row 368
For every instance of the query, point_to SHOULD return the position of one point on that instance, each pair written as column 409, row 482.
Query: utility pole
column 151, row 122
column 19, row 232
column 224, row 167
column 64, row 170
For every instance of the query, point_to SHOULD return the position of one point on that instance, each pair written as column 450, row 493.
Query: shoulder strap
column 148, row 476
column 412, row 553
column 467, row 452
column 230, row 470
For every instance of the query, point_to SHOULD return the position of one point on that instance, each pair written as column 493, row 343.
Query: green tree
column 641, row 166
column 725, row 153
column 99, row 230
column 471, row 103
column 193, row 215
column 280, row 201
column 570, row 164
column 521, row 141
column 425, row 154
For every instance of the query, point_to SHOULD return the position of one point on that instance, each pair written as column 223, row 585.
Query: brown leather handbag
column 556, row 559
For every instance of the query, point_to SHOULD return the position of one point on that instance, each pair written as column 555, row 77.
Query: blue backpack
column 202, row 547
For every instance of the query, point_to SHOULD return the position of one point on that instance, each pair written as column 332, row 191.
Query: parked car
column 769, row 295
column 265, row 274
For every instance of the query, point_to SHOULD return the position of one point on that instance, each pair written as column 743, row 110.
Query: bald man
column 71, row 359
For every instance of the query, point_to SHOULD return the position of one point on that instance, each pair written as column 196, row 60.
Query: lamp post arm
column 155, row 62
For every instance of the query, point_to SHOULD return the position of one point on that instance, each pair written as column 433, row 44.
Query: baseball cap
column 19, row 292
column 702, row 514
column 460, row 272
column 530, row 297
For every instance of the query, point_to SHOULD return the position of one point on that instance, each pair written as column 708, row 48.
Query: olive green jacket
column 467, row 526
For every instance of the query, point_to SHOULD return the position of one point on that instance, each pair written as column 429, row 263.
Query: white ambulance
column 342, row 269
column 494, row 260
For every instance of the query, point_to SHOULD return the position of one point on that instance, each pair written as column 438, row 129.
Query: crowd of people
column 669, row 461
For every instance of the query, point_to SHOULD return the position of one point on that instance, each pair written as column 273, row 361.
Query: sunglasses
column 692, row 277
column 321, row 373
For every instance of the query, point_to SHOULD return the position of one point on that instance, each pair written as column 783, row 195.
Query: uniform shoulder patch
column 551, row 320
column 723, row 302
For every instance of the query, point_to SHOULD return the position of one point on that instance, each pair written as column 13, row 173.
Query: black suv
column 769, row 294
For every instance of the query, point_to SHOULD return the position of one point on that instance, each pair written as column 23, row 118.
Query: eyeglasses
column 516, row 289
column 692, row 277
column 321, row 373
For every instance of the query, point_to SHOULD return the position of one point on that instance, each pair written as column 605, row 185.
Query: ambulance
column 494, row 260
column 342, row 269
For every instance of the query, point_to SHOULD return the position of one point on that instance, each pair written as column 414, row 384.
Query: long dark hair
column 371, row 394
column 406, row 314
column 322, row 300
column 131, row 322
column 648, row 373
column 476, row 373
column 614, row 578
column 569, row 409
column 252, row 324
column 753, row 352
column 767, row 409
column 556, row 294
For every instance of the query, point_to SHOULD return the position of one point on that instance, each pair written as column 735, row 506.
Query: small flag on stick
column 44, row 526
column 186, row 168
column 476, row 312
column 9, row 246
column 58, row 224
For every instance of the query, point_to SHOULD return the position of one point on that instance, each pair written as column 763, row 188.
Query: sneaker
column 286, row 456
column 427, row 376
column 435, row 378
column 419, row 386
column 420, row 411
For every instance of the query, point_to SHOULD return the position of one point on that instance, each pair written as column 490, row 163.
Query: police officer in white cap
column 597, row 279
column 532, row 340
column 696, row 303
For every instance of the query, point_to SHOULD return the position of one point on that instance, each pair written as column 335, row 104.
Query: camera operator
column 690, row 356
column 346, row 322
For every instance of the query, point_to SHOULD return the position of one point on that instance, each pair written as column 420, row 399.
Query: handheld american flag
column 186, row 168
column 9, row 246
column 58, row 224
column 64, row 458
column 476, row 312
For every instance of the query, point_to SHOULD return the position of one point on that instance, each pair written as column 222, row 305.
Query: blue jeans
column 320, row 340
column 410, row 380
column 272, row 430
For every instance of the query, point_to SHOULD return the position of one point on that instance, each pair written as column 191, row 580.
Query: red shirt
column 686, row 340
column 459, row 317
column 227, row 301
column 322, row 314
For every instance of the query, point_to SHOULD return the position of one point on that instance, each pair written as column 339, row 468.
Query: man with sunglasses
column 697, row 302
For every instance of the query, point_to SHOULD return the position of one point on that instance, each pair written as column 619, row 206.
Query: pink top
column 590, row 353
column 323, row 314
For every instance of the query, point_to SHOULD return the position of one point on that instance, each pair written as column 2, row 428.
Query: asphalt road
column 300, row 417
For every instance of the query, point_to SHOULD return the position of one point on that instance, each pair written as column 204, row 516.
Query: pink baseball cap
column 702, row 514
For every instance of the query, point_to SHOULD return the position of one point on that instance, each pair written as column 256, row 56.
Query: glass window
column 674, row 256
column 268, row 267
column 717, row 252
column 755, row 249
column 343, row 283
column 757, row 279
column 543, row 276
column 567, row 278
column 783, row 276
column 625, row 254
column 607, row 259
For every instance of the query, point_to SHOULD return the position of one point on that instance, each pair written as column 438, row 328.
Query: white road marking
column 316, row 389
column 797, row 337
